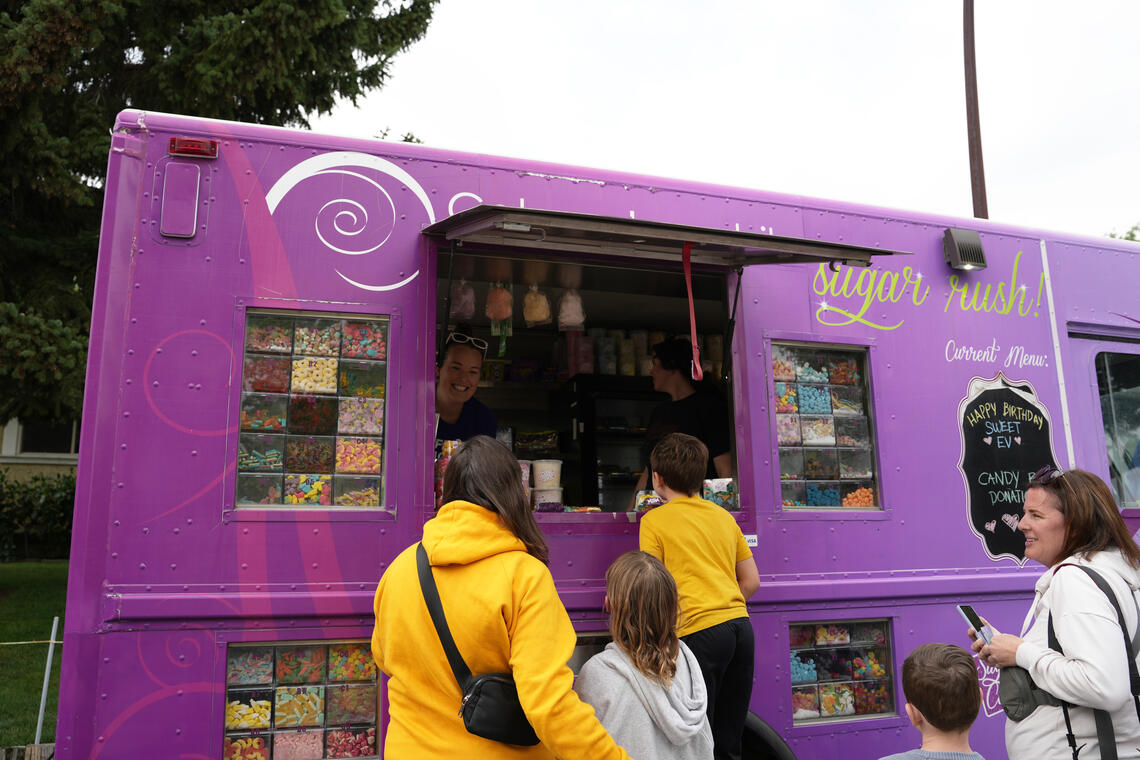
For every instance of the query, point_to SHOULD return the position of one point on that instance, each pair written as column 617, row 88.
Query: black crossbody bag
column 1026, row 696
column 490, row 706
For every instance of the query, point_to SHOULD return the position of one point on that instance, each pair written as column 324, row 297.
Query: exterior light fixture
column 963, row 249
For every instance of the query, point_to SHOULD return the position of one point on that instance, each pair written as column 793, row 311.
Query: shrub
column 35, row 516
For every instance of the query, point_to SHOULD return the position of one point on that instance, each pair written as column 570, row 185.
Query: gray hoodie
column 648, row 720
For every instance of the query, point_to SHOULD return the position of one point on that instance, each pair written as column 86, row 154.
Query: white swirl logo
column 341, row 224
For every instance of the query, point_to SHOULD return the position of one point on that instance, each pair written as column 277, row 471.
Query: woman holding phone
column 1071, row 518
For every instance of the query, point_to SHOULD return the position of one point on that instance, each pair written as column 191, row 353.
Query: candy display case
column 351, row 662
column 793, row 494
column 791, row 464
column 818, row 431
column 358, row 455
column 820, row 464
column 246, row 747
column 850, row 663
column 350, row 742
column 248, row 666
column 814, row 399
column 829, row 422
column 312, row 415
column 261, row 412
column 788, row 429
column 317, row 337
column 363, row 340
column 308, row 489
column 846, row 401
column 261, row 453
column 269, row 374
column 787, row 398
column 357, row 492
column 363, row 379
column 855, row 464
column 269, row 334
column 258, row 489
column 823, row 494
column 361, row 416
column 805, row 703
column 302, row 744
column 248, row 708
column 852, row 431
column 351, row 703
column 310, row 454
column 300, row 700
column 314, row 375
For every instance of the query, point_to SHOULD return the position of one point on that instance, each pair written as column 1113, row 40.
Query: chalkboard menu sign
column 1005, row 439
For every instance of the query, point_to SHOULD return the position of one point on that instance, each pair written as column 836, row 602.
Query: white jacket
column 1092, row 673
column 648, row 720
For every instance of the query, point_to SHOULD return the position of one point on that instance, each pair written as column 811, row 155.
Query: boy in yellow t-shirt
column 702, row 546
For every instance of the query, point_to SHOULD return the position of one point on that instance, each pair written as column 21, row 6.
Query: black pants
column 726, row 653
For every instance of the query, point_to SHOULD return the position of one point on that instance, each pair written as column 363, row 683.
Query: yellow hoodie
column 505, row 616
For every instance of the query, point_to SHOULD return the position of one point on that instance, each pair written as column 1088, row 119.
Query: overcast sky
column 860, row 100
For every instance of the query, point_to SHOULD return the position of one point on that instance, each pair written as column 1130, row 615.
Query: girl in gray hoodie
column 646, row 686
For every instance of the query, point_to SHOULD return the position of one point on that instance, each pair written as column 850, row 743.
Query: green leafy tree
column 67, row 67
column 1132, row 234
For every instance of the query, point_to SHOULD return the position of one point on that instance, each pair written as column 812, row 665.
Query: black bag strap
column 1106, row 737
column 431, row 597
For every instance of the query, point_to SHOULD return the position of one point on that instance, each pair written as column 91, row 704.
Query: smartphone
column 975, row 622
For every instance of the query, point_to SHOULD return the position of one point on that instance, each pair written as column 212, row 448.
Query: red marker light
column 193, row 146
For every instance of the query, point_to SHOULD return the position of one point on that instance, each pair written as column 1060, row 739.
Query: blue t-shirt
column 475, row 419
column 922, row 754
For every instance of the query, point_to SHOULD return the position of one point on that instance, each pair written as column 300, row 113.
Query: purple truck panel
column 166, row 572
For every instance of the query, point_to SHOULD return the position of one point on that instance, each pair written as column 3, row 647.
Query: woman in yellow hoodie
column 489, row 560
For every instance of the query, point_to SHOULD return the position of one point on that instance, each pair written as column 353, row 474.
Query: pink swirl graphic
column 147, row 382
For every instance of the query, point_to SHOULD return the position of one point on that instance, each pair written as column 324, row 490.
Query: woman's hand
column 1001, row 652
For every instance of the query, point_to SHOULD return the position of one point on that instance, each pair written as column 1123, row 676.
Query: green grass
column 31, row 594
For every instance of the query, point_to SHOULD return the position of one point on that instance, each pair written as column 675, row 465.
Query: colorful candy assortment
column 361, row 416
column 363, row 340
column 349, row 743
column 262, row 413
column 309, row 454
column 820, row 464
column 791, row 464
column 843, row 370
column 269, row 374
column 872, row 698
column 362, row 379
column 351, row 703
column 258, row 489
column 793, row 495
column 818, row 431
column 823, row 494
column 357, row 492
column 312, row 415
column 249, row 665
column 722, row 492
column 358, row 455
column 846, row 401
column 832, row 634
column 811, row 369
column 874, row 633
column 801, row 635
column 805, row 703
column 783, row 363
column 308, row 489
column 269, row 335
column 317, row 337
column 248, row 709
column 299, row 706
column 788, row 429
column 304, row 664
column 245, row 748
column 351, row 662
column 298, row 745
column 835, row 700
column 868, row 666
column 260, row 453
column 786, row 398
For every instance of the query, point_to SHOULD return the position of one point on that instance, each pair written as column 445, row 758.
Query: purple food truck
column 258, row 433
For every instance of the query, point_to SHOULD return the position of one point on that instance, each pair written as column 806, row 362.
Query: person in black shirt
column 691, row 409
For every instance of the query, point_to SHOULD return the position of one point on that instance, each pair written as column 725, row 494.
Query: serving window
column 823, row 427
column 312, row 411
column 300, row 700
column 1118, row 384
column 840, row 670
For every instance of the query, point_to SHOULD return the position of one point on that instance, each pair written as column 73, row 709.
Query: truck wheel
column 761, row 742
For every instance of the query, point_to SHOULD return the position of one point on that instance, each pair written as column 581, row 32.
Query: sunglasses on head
column 461, row 338
column 1046, row 475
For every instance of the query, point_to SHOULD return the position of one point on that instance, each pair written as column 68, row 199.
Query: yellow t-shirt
column 700, row 543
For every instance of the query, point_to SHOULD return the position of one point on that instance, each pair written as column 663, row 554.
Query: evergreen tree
column 67, row 67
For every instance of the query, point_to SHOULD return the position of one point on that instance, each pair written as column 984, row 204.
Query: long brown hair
column 1092, row 519
column 643, row 614
column 485, row 472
